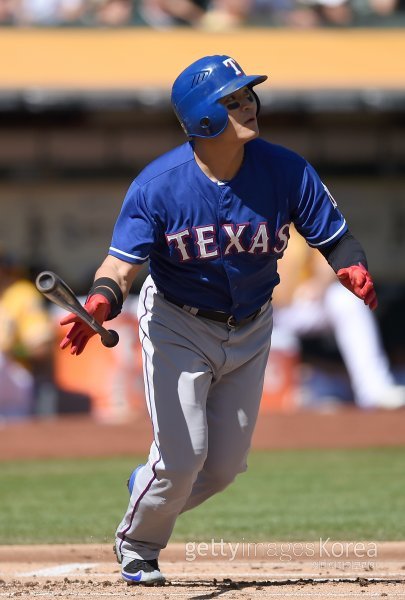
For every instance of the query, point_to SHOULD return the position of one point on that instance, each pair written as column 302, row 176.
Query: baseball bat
column 56, row 290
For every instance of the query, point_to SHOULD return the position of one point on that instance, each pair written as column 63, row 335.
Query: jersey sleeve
column 316, row 215
column 135, row 229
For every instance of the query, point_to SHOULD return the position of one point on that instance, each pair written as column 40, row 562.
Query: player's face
column 242, row 108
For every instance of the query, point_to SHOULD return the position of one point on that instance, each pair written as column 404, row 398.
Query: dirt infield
column 271, row 571
column 82, row 436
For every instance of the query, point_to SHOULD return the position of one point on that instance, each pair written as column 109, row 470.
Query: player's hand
column 98, row 307
column 358, row 280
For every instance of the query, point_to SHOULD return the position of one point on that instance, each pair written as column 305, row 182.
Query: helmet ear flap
column 205, row 119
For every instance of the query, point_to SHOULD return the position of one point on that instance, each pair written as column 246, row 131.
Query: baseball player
column 213, row 217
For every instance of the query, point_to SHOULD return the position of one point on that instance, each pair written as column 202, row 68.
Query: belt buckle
column 231, row 322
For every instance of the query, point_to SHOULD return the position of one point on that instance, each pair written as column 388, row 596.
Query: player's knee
column 184, row 468
column 220, row 476
column 220, row 481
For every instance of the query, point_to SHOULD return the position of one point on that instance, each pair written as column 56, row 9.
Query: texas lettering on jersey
column 205, row 239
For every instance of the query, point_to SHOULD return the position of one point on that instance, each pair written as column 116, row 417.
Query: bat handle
column 110, row 338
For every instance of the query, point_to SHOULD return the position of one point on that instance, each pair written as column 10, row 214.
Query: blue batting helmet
column 198, row 89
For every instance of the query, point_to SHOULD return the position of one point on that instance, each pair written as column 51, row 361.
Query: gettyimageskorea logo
column 321, row 551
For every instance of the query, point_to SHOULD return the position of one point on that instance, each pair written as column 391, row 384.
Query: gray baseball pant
column 203, row 385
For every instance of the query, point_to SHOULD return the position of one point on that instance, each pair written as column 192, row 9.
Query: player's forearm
column 121, row 272
column 346, row 252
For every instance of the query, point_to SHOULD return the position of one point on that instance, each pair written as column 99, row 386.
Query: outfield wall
column 138, row 58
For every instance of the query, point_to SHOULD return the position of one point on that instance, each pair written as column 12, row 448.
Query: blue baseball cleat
column 144, row 572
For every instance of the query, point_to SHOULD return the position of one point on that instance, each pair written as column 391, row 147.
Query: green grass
column 285, row 495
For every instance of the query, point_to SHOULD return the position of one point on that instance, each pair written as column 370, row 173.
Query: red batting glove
column 98, row 307
column 358, row 280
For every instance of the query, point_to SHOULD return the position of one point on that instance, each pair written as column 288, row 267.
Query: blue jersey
column 213, row 245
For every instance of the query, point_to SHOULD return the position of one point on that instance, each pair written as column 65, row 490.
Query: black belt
column 214, row 315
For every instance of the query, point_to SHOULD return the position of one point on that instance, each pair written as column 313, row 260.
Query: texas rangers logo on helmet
column 230, row 62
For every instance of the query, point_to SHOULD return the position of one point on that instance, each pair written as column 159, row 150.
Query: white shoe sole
column 143, row 578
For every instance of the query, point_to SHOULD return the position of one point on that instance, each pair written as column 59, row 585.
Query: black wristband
column 347, row 251
column 110, row 289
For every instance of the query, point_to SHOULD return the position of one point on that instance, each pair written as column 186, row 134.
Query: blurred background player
column 26, row 344
column 310, row 301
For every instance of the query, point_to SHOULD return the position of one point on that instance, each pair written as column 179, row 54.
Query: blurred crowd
column 212, row 15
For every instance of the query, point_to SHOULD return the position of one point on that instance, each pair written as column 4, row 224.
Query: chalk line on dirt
column 65, row 569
